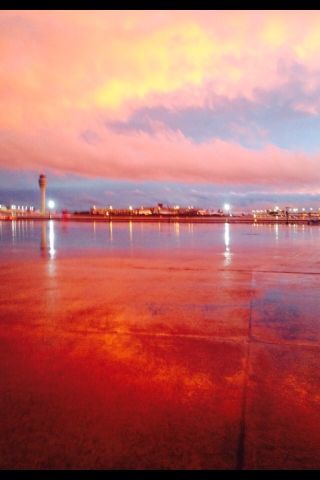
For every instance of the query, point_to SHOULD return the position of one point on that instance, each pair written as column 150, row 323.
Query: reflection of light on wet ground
column 130, row 231
column 111, row 231
column 276, row 231
column 14, row 229
column 227, row 253
column 177, row 229
column 51, row 239
column 159, row 343
column 51, row 268
column 190, row 228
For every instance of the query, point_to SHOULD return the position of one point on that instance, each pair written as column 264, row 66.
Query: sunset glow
column 187, row 107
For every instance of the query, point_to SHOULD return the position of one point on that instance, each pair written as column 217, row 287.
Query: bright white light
column 51, row 204
column 130, row 207
column 111, row 207
column 226, row 207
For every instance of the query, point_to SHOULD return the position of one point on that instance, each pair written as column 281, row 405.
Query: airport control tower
column 43, row 186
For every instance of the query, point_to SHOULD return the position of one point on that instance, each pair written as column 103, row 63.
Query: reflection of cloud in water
column 160, row 371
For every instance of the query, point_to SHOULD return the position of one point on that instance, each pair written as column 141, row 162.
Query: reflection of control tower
column 43, row 185
column 43, row 241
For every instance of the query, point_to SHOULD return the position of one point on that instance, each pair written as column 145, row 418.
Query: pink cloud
column 164, row 156
column 66, row 72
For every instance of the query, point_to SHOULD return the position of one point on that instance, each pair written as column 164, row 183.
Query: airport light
column 51, row 205
column 226, row 207
column 130, row 208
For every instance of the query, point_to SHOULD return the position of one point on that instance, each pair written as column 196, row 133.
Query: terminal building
column 159, row 210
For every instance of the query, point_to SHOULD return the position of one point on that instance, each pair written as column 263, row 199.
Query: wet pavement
column 177, row 358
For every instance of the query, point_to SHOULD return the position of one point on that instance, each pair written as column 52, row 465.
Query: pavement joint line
column 231, row 340
column 147, row 334
column 285, row 344
column 269, row 271
column 241, row 452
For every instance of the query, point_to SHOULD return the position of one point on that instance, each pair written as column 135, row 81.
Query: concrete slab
column 113, row 295
column 118, row 401
column 286, row 308
column 177, row 358
column 282, row 418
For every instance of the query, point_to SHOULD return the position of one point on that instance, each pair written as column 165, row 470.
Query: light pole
column 51, row 205
column 226, row 208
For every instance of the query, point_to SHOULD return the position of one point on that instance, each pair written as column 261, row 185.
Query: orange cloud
column 63, row 72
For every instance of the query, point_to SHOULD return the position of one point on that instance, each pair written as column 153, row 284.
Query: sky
column 179, row 107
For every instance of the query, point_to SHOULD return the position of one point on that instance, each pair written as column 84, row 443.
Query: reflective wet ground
column 159, row 346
